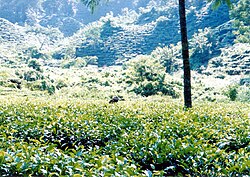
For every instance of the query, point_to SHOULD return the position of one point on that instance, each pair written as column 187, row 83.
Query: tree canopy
column 241, row 20
column 217, row 3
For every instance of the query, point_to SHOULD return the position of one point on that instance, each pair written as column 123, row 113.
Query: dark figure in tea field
column 115, row 99
column 16, row 81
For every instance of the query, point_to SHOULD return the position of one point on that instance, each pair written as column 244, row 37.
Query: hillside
column 114, row 39
column 123, row 37
column 234, row 60
column 43, row 59
column 67, row 15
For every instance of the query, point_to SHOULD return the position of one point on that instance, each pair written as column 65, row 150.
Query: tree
column 146, row 76
column 184, row 40
column 185, row 55
column 241, row 20
column 218, row 3
column 92, row 4
column 185, row 51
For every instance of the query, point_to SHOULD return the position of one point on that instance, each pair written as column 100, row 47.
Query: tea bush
column 146, row 137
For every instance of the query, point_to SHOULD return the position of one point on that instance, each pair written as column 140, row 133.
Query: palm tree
column 184, row 40
column 185, row 55
column 217, row 3
column 185, row 52
column 92, row 4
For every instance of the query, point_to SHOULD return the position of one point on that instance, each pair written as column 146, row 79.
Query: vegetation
column 202, row 46
column 241, row 21
column 232, row 92
column 56, row 117
column 55, row 137
column 147, row 77
column 218, row 3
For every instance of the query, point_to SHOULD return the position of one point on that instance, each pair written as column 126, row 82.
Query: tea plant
column 71, row 137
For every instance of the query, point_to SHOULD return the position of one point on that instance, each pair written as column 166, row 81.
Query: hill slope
column 123, row 37
column 114, row 39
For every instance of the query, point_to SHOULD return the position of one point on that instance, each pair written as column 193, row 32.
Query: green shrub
column 2, row 83
column 33, row 52
column 60, row 84
column 32, row 75
column 34, row 86
column 146, row 76
column 51, row 89
column 34, row 64
column 232, row 92
column 145, row 89
column 47, row 86
column 80, row 63
column 68, row 63
column 90, row 60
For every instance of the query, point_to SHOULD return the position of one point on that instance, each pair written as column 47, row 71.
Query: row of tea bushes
column 71, row 137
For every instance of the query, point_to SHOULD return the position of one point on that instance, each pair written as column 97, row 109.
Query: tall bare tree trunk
column 185, row 55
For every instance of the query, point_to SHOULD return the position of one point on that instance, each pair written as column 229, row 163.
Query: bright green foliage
column 35, row 65
column 146, row 76
column 241, row 19
column 134, row 138
column 92, row 4
column 232, row 92
column 217, row 3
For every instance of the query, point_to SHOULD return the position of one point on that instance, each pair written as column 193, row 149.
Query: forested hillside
column 136, row 30
column 111, row 38
column 123, row 37
column 67, row 15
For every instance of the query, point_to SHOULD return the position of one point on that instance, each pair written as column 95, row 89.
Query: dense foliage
column 156, row 137
column 241, row 19
column 54, row 29
column 146, row 76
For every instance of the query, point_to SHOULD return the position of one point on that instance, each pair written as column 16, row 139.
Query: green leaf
column 77, row 175
column 2, row 154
